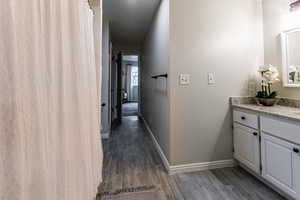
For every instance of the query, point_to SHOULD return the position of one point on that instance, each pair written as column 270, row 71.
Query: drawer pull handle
column 255, row 134
column 243, row 118
column 296, row 150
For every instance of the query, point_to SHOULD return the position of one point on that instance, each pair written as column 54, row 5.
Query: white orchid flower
column 269, row 73
column 273, row 69
column 264, row 68
column 295, row 68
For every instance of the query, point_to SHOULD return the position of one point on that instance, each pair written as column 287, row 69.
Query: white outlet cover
column 184, row 79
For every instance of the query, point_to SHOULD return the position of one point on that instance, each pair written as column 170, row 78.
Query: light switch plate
column 211, row 78
column 184, row 79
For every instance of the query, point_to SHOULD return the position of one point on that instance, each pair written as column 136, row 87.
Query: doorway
column 130, row 85
column 125, row 87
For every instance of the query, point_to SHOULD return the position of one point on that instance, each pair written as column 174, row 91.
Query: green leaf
column 273, row 95
column 262, row 94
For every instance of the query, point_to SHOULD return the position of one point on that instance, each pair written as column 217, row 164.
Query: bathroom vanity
column 267, row 142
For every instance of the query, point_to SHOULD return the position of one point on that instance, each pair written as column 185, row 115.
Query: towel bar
column 160, row 76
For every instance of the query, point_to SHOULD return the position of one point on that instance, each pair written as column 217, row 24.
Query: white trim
column 157, row 146
column 201, row 166
column 285, row 57
column 105, row 135
column 173, row 169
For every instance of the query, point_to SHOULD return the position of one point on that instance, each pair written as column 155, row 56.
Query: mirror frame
column 285, row 53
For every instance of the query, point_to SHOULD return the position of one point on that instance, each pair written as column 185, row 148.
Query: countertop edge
column 241, row 106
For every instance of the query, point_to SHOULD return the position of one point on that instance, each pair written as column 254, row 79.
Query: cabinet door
column 246, row 147
column 296, row 171
column 277, row 163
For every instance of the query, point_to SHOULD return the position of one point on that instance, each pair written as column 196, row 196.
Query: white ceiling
column 129, row 19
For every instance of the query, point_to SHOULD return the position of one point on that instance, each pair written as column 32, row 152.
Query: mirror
column 291, row 57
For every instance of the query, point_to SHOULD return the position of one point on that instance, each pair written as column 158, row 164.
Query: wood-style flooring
column 131, row 161
column 130, row 109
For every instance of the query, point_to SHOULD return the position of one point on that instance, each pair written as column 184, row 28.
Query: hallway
column 130, row 109
column 130, row 160
column 131, row 163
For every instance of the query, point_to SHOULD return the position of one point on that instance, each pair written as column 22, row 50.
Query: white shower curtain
column 50, row 147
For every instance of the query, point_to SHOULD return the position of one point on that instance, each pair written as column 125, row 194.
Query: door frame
column 117, row 59
column 136, row 53
column 119, row 87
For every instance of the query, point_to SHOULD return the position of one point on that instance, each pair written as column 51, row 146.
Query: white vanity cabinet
column 247, row 147
column 270, row 147
column 280, row 163
column 281, row 155
column 246, row 139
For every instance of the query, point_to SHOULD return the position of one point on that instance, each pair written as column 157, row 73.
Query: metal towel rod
column 160, row 76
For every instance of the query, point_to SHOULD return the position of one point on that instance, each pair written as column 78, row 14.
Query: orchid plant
column 269, row 76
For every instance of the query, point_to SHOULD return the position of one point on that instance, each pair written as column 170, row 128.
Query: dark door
column 119, row 87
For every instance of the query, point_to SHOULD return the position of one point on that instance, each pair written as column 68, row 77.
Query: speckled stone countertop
column 286, row 108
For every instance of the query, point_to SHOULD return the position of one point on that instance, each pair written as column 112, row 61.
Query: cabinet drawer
column 246, row 118
column 281, row 128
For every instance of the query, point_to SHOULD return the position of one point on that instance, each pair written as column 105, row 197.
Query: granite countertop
column 286, row 108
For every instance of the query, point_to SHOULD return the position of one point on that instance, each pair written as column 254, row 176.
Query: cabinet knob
column 296, row 150
column 255, row 134
column 243, row 118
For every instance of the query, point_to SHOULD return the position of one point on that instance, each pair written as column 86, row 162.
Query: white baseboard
column 173, row 169
column 105, row 136
column 157, row 146
column 201, row 166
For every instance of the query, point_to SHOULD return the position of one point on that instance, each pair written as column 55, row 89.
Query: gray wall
column 278, row 18
column 230, row 38
column 105, row 118
column 224, row 37
column 154, row 93
column 98, row 49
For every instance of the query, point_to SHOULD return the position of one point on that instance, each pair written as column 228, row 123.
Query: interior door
column 113, row 88
column 119, row 87
column 246, row 147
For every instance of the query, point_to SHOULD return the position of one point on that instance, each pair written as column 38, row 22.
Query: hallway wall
column 154, row 93
column 98, row 46
column 223, row 37
column 106, row 85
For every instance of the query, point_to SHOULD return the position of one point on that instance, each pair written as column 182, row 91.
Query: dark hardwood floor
column 132, row 163
column 130, row 109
